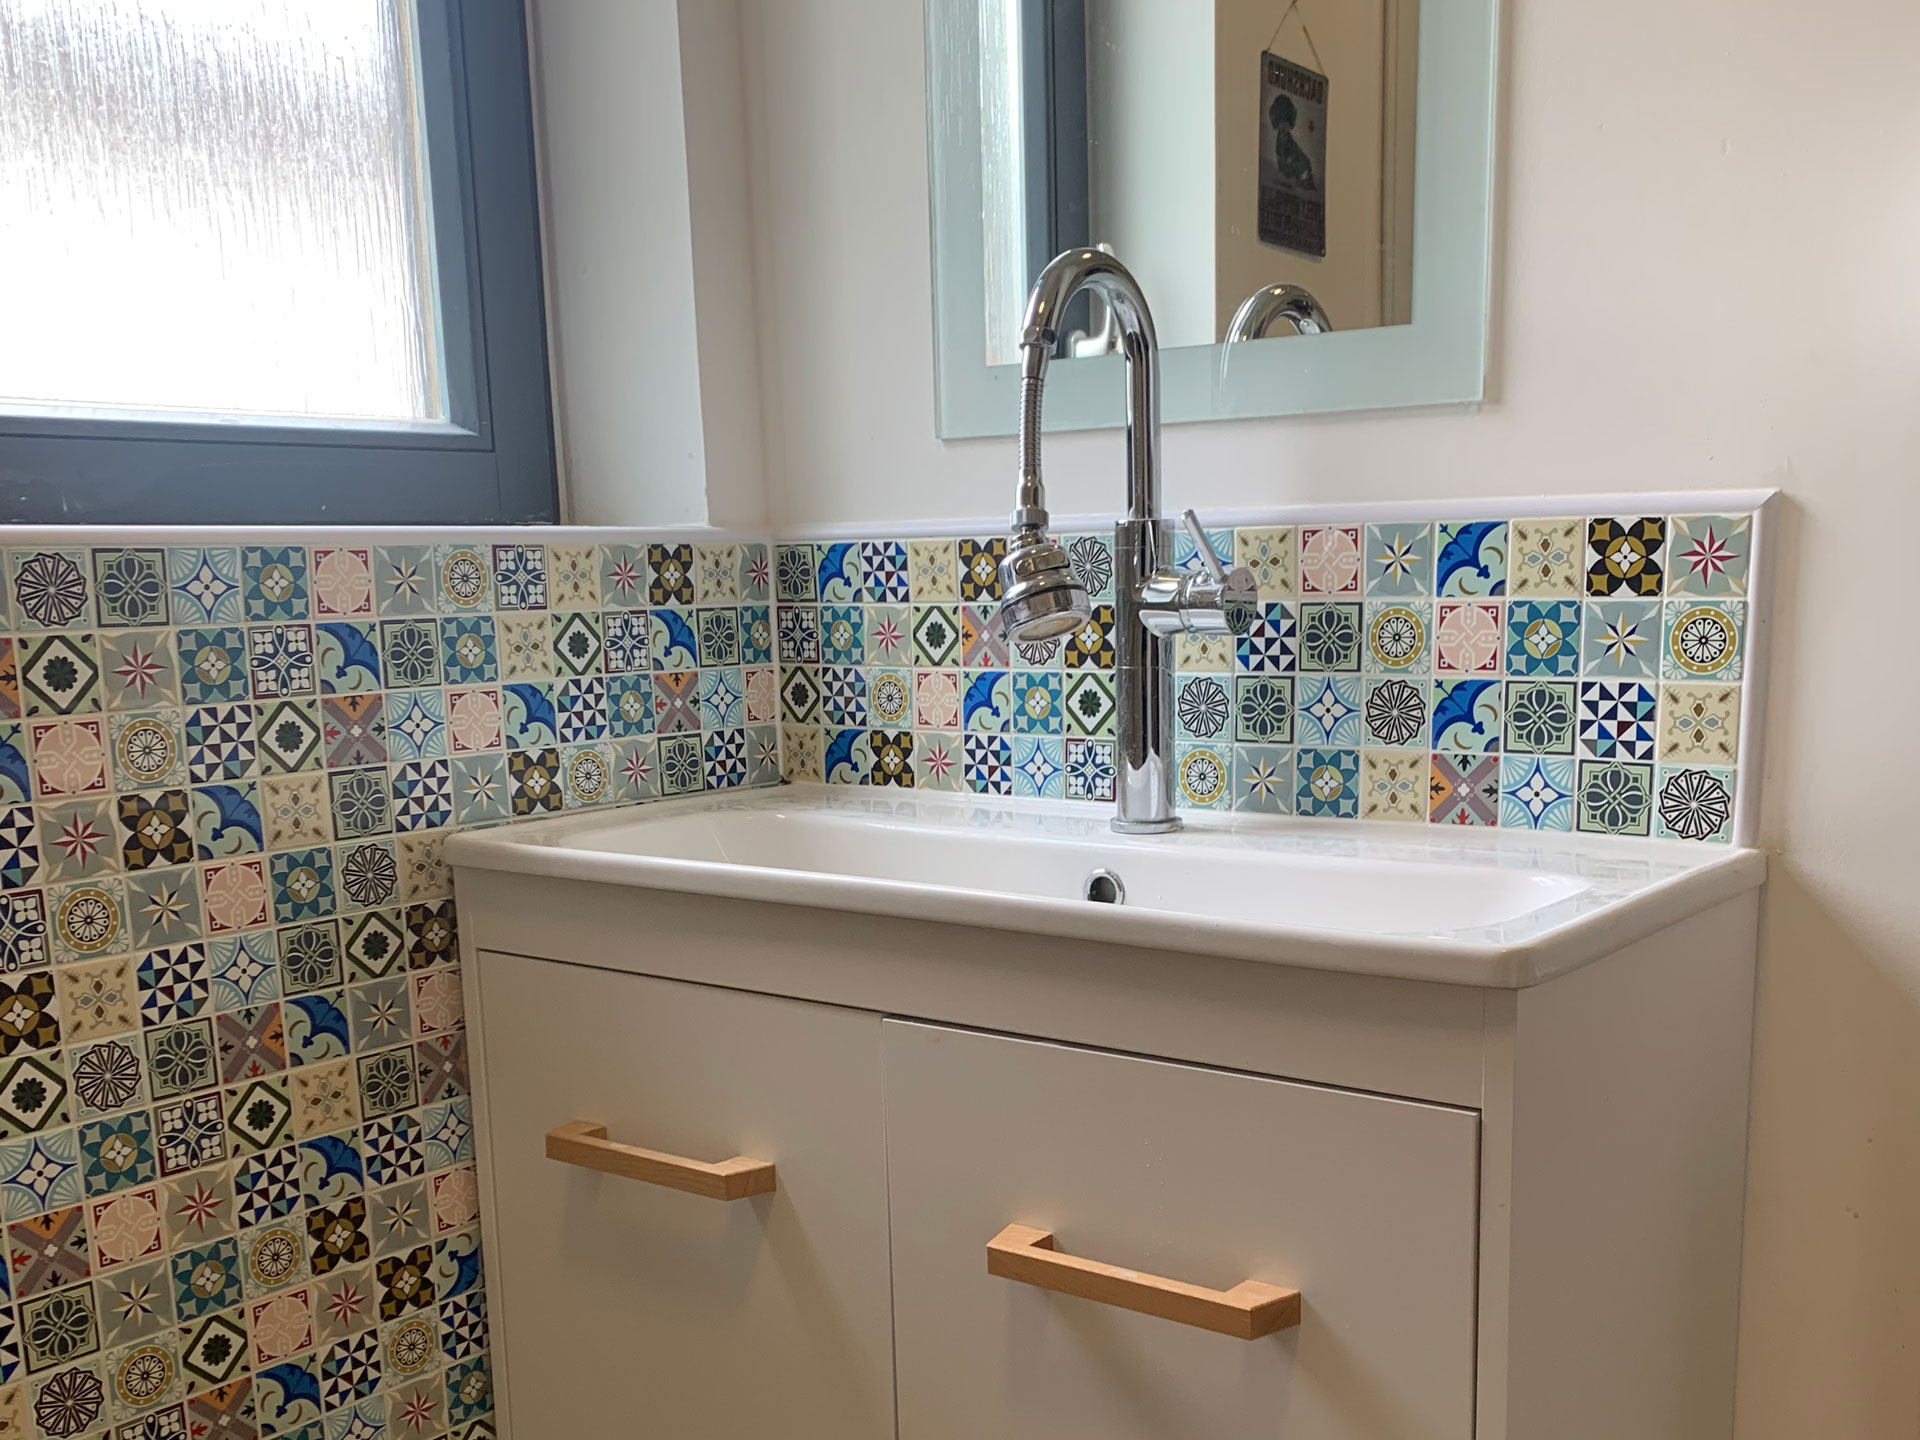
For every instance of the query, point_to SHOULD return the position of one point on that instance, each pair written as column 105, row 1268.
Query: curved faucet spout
column 1065, row 276
column 1291, row 303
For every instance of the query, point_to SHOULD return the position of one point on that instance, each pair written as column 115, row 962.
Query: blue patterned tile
column 1466, row 715
column 1328, row 713
column 520, row 577
column 883, row 568
column 1618, row 719
column 347, row 656
column 274, row 582
column 206, row 586
column 1472, row 558
column 281, row 660
column 1039, row 766
column 1039, row 703
column 987, row 704
column 1272, row 646
column 213, row 665
column 1543, row 637
column 416, row 724
column 1536, row 792
column 1327, row 783
column 838, row 573
column 988, row 760
column 725, row 759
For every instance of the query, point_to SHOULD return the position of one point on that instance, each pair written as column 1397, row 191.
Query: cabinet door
column 627, row 1308
column 1364, row 1205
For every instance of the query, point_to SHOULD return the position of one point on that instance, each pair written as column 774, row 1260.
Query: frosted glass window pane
column 215, row 206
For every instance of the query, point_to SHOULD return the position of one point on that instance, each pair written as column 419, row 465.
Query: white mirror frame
column 1439, row 359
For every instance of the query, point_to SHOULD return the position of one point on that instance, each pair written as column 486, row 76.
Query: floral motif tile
column 1544, row 558
column 1712, row 555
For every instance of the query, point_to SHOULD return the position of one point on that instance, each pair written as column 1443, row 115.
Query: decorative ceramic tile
column 1712, row 555
column 1536, row 792
column 1694, row 803
column 979, row 561
column 1465, row 790
column 130, row 587
column 1203, row 770
column 1395, row 713
column 1542, row 717
column 1393, row 785
column 1544, row 558
column 1700, row 724
column 1615, row 798
column 1399, row 559
column 1471, row 558
column 1330, row 559
column 1469, row 638
column 1398, row 636
column 932, row 572
column 1327, row 783
column 1543, row 637
column 403, row 580
column 1466, row 715
column 1703, row 640
column 1263, row 779
column 1621, row 638
column 1626, row 557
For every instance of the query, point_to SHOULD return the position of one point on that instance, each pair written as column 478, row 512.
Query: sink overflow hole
column 1103, row 887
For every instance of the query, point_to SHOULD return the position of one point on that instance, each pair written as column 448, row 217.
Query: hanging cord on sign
column 1312, row 48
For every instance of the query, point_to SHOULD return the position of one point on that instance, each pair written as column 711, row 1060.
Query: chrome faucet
column 1041, row 598
column 1292, row 303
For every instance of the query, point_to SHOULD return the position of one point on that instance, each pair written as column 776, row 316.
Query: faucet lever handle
column 1216, row 567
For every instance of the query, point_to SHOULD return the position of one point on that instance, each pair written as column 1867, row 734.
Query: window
column 271, row 261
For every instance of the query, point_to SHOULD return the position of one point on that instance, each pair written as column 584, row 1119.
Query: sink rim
column 1634, row 887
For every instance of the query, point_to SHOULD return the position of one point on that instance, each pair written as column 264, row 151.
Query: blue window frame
column 489, row 460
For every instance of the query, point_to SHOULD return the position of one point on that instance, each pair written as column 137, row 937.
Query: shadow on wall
column 1830, row 1304
column 1830, row 1307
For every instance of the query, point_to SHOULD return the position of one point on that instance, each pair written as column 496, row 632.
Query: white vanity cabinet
column 632, row 1308
column 1224, row 1197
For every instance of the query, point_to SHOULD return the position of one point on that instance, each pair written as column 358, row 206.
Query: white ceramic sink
column 1466, row 907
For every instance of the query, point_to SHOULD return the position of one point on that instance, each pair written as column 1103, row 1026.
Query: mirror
column 1301, row 187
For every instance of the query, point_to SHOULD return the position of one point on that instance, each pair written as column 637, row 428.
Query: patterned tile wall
column 236, row 1153
column 1555, row 674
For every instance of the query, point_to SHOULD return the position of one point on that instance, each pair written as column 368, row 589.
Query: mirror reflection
column 1251, row 160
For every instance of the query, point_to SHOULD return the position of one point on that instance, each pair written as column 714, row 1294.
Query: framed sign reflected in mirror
column 1303, row 189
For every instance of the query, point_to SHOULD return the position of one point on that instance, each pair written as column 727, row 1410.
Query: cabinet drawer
column 1366, row 1206
column 626, row 1307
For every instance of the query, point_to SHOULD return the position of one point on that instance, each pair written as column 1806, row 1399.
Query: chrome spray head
column 1040, row 596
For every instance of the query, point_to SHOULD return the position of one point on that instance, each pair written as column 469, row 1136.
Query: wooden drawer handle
column 583, row 1143
column 1247, row 1311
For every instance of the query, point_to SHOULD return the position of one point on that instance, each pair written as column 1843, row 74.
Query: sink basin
column 1490, row 907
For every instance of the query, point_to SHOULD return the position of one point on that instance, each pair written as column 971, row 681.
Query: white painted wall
column 1710, row 277
column 649, row 263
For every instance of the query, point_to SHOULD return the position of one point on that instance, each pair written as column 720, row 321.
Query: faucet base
column 1144, row 827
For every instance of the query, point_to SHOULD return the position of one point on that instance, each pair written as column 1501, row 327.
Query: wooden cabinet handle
column 1247, row 1311
column 583, row 1143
